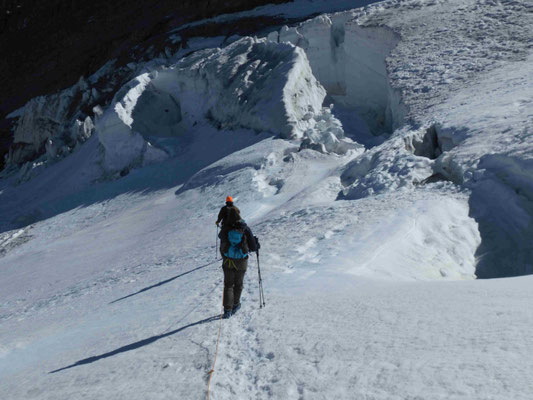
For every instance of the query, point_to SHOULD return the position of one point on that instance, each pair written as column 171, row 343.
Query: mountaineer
column 236, row 242
column 223, row 213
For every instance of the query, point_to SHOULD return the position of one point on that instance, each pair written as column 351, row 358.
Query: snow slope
column 109, row 285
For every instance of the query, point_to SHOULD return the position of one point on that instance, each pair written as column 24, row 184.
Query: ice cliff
column 253, row 83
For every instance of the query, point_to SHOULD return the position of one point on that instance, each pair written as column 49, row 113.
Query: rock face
column 49, row 45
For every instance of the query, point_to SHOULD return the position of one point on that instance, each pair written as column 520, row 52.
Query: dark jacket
column 250, row 239
column 225, row 212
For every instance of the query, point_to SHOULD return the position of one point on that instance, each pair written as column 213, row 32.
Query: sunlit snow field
column 375, row 216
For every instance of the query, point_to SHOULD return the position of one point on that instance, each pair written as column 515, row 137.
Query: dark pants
column 234, row 271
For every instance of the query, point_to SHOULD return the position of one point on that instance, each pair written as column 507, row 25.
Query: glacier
column 382, row 155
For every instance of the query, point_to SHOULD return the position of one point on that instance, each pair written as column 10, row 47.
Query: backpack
column 237, row 245
column 231, row 216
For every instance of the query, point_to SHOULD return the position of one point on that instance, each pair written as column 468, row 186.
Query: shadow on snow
column 502, row 205
column 164, row 282
column 69, row 183
column 135, row 345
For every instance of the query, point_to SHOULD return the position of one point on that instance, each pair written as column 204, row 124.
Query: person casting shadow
column 236, row 242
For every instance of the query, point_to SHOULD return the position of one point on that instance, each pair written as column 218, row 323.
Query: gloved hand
column 257, row 242
column 216, row 223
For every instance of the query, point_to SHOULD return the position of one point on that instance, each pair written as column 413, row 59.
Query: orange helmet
column 229, row 199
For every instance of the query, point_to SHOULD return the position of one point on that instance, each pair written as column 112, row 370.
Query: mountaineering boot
column 235, row 308
column 227, row 313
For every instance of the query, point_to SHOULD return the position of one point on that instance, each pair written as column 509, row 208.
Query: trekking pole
column 216, row 245
column 261, row 292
